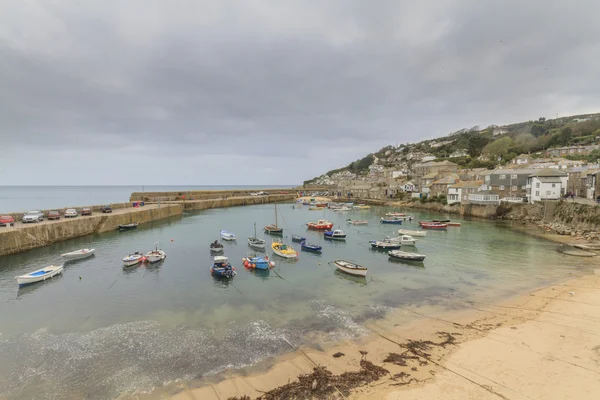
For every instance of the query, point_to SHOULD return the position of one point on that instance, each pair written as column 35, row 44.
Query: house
column 409, row 187
column 484, row 197
column 577, row 182
column 470, row 174
column 428, row 158
column 593, row 184
column 509, row 182
column 459, row 192
column 522, row 159
column 458, row 153
column 546, row 184
column 571, row 150
column 423, row 169
column 440, row 187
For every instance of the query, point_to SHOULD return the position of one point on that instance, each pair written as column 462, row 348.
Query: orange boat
column 320, row 224
column 433, row 225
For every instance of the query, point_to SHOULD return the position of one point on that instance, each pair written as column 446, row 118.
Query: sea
column 25, row 198
column 101, row 331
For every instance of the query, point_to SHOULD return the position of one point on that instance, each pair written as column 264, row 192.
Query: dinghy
column 376, row 244
column 77, row 254
column 404, row 240
column 433, row 225
column 257, row 261
column 128, row 227
column 216, row 247
column 395, row 214
column 350, row 268
column 221, row 268
column 255, row 242
column 133, row 259
column 155, row 255
column 343, row 208
column 39, row 275
column 357, row 221
column 412, row 233
column 405, row 256
column 315, row 248
column 337, row 234
column 391, row 220
column 226, row 235
column 296, row 238
column 283, row 250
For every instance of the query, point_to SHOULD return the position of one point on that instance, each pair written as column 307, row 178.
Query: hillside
column 483, row 148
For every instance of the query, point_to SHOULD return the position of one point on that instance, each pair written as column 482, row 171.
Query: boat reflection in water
column 414, row 264
column 261, row 273
column 360, row 280
column 28, row 289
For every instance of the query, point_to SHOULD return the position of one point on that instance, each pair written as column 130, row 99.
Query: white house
column 459, row 192
column 484, row 198
column 409, row 187
column 546, row 184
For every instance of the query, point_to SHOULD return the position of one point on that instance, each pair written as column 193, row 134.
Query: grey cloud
column 312, row 85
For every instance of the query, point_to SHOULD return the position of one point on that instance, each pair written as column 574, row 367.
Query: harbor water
column 100, row 331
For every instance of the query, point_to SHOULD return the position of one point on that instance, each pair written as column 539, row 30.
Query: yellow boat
column 364, row 208
column 283, row 250
column 314, row 208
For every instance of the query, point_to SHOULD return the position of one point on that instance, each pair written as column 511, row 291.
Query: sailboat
column 274, row 229
column 256, row 243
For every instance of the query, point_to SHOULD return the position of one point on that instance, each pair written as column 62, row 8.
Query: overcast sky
column 272, row 92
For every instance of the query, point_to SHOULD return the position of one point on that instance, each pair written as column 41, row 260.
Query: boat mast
column 276, row 215
column 254, row 230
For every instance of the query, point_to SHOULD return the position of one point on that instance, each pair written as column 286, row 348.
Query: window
column 515, row 188
column 487, row 178
column 554, row 185
column 524, row 187
column 514, row 176
column 501, row 187
column 537, row 185
column 547, row 193
column 537, row 193
column 502, row 176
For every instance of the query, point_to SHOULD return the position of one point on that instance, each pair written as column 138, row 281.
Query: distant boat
column 255, row 242
column 133, row 259
column 336, row 234
column 403, row 255
column 454, row 224
column 283, row 250
column 412, row 233
column 376, row 244
column 320, row 225
column 440, row 220
column 155, row 255
column 128, row 227
column 395, row 214
column 350, row 268
column 226, row 235
column 364, row 207
column 344, row 208
column 78, row 254
column 404, row 240
column 391, row 220
column 39, row 275
column 433, row 225
column 257, row 261
column 221, row 268
column 296, row 238
column 315, row 248
column 357, row 221
column 314, row 208
column 274, row 229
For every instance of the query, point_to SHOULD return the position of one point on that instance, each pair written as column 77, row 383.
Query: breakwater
column 192, row 195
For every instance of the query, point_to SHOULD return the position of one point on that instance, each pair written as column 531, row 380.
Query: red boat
column 433, row 225
column 320, row 224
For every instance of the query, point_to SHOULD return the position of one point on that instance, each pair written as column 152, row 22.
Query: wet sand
column 545, row 344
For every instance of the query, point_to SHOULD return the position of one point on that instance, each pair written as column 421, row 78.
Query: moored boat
column 364, row 207
column 155, row 255
column 255, row 242
column 442, row 221
column 412, row 233
column 406, row 256
column 320, row 224
column 283, row 250
column 433, row 225
column 343, row 208
column 78, row 254
column 296, row 238
column 357, row 221
column 454, row 223
column 391, row 220
column 133, row 259
column 274, row 229
column 385, row 245
column 404, row 240
column 227, row 235
column 39, row 275
column 257, row 261
column 216, row 247
column 314, row 208
column 395, row 214
column 128, row 227
column 350, row 268
column 221, row 268
column 315, row 248
column 336, row 234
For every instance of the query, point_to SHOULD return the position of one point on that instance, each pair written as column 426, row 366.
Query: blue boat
column 296, row 238
column 391, row 220
column 311, row 247
column 257, row 261
column 221, row 268
column 337, row 234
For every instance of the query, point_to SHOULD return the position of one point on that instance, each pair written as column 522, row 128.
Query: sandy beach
column 545, row 344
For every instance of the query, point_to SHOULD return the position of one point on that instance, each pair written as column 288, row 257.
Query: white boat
column 77, row 254
column 395, row 214
column 39, row 275
column 155, row 255
column 255, row 242
column 386, row 245
column 350, row 268
column 226, row 235
column 404, row 240
column 412, row 233
column 343, row 208
column 357, row 221
column 133, row 259
column 336, row 234
column 403, row 255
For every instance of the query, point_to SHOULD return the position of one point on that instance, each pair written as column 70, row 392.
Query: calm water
column 99, row 330
column 24, row 198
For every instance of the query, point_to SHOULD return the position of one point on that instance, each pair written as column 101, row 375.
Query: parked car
column 7, row 220
column 106, row 209
column 71, row 213
column 53, row 215
column 33, row 216
column 86, row 211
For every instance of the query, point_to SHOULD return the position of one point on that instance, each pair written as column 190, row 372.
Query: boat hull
column 349, row 269
column 385, row 246
column 322, row 227
column 78, row 254
column 311, row 247
column 39, row 275
column 155, row 256
column 257, row 245
column 229, row 236
column 404, row 256
column 412, row 233
column 433, row 226
column 391, row 221
column 127, row 227
column 216, row 249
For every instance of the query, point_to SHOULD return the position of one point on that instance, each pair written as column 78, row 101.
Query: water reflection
column 28, row 289
column 414, row 264
column 360, row 280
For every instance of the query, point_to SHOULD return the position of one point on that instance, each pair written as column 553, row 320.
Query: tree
column 498, row 148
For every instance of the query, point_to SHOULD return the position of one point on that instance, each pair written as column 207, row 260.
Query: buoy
column 253, row 265
column 172, row 240
column 79, row 278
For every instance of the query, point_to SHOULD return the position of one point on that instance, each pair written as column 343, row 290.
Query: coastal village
column 406, row 172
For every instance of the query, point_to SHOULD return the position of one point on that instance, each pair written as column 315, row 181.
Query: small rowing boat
column 412, row 233
column 78, row 254
column 405, row 256
column 357, row 222
column 216, row 247
column 350, row 268
column 296, row 238
column 454, row 224
column 391, row 220
column 337, row 234
column 226, row 235
column 376, row 244
column 311, row 247
column 128, row 227
column 433, row 225
column 39, row 275
column 395, row 214
column 155, row 255
column 404, row 240
column 133, row 259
